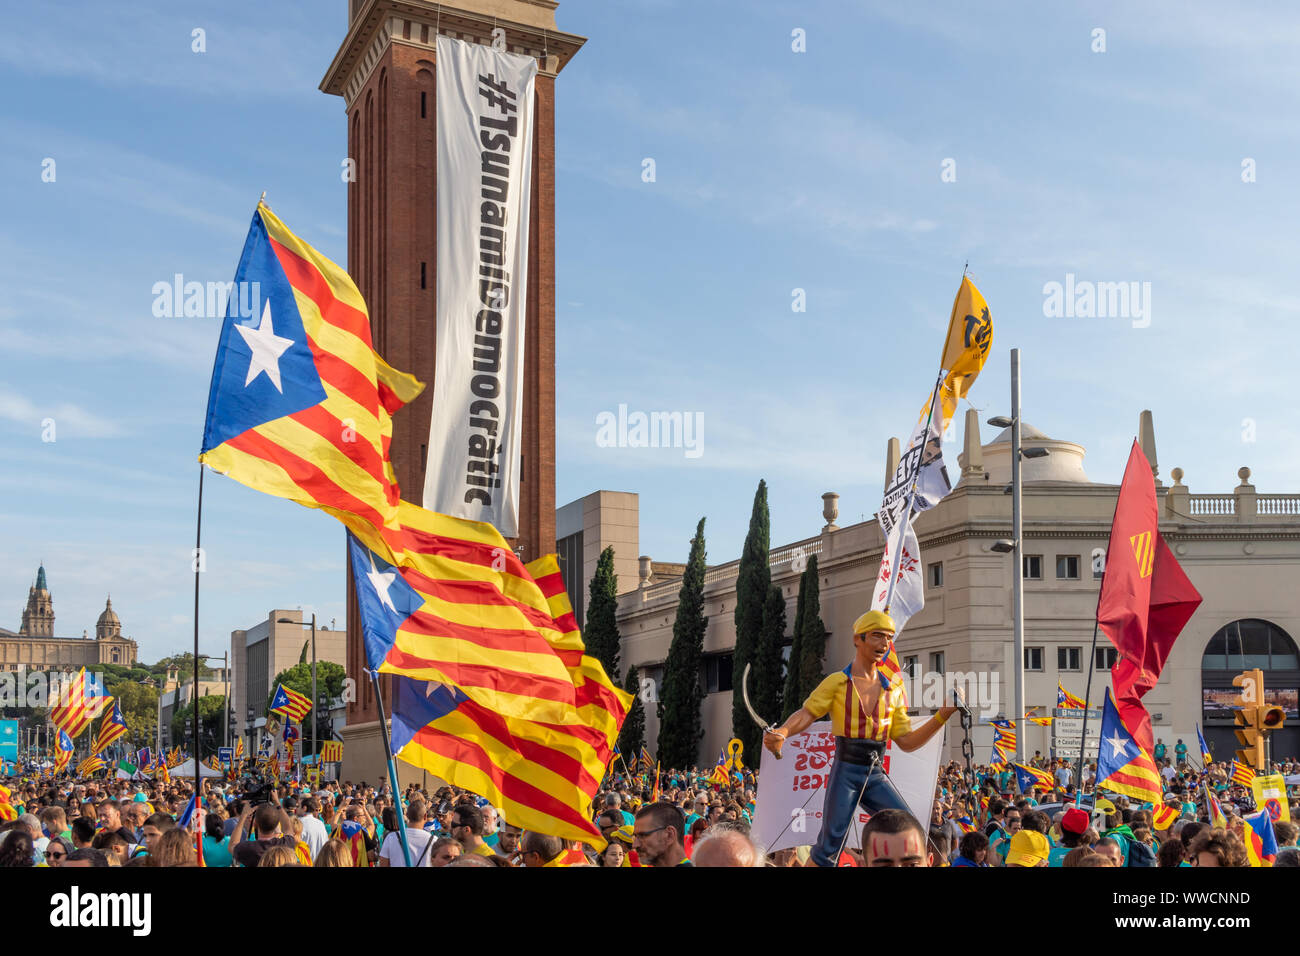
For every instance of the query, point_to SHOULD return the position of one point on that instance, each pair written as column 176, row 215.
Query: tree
column 329, row 680
column 182, row 662
column 631, row 738
column 212, row 711
column 601, row 634
column 682, row 694
column 768, row 678
column 812, row 646
column 790, row 699
column 753, row 578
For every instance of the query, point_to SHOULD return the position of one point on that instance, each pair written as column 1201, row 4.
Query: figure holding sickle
column 866, row 710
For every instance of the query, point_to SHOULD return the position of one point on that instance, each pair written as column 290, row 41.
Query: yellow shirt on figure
column 837, row 697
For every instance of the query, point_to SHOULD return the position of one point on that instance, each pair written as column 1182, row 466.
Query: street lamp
column 285, row 620
column 1015, row 545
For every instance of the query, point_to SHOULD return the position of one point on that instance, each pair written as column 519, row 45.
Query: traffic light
column 1254, row 720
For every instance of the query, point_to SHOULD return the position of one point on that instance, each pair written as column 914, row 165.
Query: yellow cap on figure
column 874, row 621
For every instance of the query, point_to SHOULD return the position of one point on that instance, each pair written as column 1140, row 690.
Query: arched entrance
column 1244, row 645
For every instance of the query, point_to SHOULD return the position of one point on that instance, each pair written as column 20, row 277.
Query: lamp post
column 1016, row 547
column 285, row 620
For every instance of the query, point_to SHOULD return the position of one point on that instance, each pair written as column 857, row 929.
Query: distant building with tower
column 35, row 647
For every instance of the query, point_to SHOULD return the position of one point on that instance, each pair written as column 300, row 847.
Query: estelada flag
column 291, row 704
column 75, row 707
column 1145, row 600
column 301, row 404
column 1123, row 764
column 464, row 611
column 111, row 729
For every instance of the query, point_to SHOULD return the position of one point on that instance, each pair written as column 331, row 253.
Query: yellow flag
column 970, row 335
column 1270, row 792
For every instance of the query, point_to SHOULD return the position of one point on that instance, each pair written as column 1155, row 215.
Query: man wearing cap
column 1074, row 823
column 1028, row 848
column 866, row 710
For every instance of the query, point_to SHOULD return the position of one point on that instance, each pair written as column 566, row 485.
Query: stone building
column 35, row 647
column 1240, row 548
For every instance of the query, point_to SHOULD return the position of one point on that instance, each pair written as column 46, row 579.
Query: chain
column 968, row 753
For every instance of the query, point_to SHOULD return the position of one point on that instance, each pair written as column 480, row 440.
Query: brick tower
column 385, row 71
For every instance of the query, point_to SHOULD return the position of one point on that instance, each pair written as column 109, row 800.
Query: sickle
column 744, row 690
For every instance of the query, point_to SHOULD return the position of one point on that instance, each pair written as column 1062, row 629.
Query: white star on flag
column 381, row 582
column 1118, row 743
column 267, row 347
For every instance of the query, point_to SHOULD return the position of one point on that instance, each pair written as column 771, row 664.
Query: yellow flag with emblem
column 970, row 336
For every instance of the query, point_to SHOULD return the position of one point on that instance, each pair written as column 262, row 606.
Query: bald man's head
column 726, row 848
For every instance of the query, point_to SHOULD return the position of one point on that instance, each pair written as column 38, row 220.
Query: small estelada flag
column 290, row 703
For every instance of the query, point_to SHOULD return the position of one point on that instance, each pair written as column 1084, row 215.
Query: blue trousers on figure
column 842, row 789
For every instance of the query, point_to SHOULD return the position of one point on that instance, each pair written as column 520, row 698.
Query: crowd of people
column 686, row 818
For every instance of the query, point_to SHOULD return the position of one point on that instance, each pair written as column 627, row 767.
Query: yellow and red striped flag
column 1165, row 815
column 301, row 404
column 331, row 751
column 7, row 810
column 542, row 774
column 464, row 611
column 1065, row 699
column 90, row 765
column 290, row 703
column 1242, row 773
column 72, row 709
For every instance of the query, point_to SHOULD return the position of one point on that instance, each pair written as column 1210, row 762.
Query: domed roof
column 108, row 616
column 1027, row 432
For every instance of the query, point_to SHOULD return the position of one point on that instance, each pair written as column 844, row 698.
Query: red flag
column 1146, row 599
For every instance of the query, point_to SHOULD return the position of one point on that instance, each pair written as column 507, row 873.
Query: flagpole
column 392, row 770
column 198, row 565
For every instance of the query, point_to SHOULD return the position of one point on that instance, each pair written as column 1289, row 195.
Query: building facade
column 1241, row 549
column 585, row 528
column 34, row 646
column 266, row 649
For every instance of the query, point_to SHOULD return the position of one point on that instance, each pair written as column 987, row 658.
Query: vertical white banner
column 909, row 592
column 485, row 150
column 791, row 790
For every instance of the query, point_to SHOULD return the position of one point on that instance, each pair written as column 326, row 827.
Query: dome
column 109, row 616
column 108, row 625
column 1027, row 433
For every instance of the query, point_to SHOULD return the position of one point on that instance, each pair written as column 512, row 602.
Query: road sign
column 226, row 756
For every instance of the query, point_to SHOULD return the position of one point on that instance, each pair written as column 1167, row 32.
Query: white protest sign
column 791, row 791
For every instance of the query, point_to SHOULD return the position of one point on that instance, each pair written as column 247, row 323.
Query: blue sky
column 775, row 171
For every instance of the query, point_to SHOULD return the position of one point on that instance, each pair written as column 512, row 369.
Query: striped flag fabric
column 7, row 810
column 1218, row 819
column 1122, row 765
column 300, row 404
column 110, row 729
column 965, row 824
column 1030, row 777
column 185, row 822
column 331, row 751
column 543, row 775
column 64, row 752
column 239, row 749
column 1067, row 700
column 1242, row 773
column 1004, row 737
column 645, row 761
column 1206, row 757
column 1165, row 816
column 464, row 611
column 1260, row 840
column 290, row 703
column 90, row 765
column 73, row 708
column 1040, row 721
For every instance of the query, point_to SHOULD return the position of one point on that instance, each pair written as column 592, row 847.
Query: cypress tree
column 753, row 578
column 767, row 661
column 813, row 644
column 790, row 699
column 682, row 694
column 601, row 634
column 631, row 738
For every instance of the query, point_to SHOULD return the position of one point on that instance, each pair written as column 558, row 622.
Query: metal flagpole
column 392, row 770
column 198, row 565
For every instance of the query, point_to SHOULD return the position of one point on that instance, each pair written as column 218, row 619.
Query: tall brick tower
column 385, row 71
